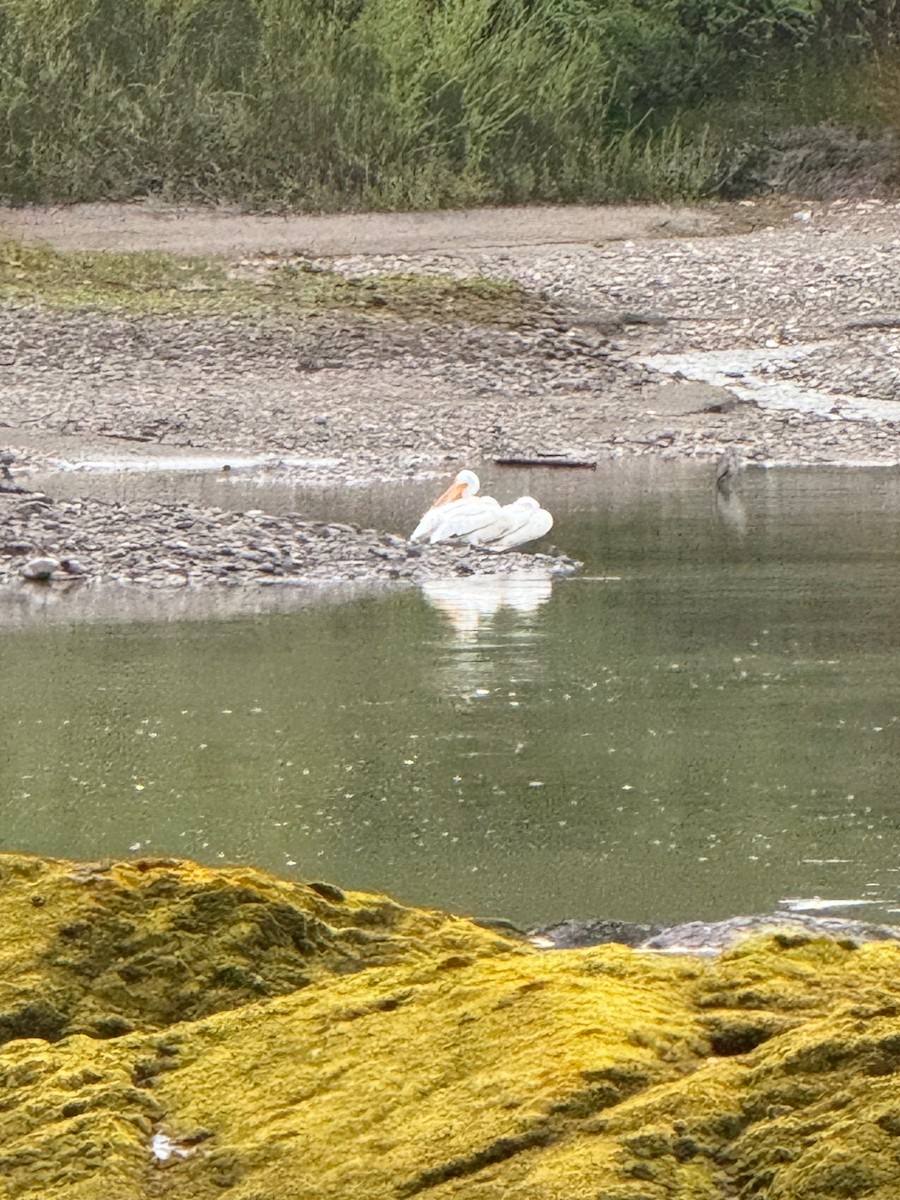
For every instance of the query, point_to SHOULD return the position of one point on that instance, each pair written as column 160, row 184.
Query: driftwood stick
column 129, row 437
column 548, row 460
column 885, row 322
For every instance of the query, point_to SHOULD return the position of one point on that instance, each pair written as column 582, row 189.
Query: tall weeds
column 390, row 103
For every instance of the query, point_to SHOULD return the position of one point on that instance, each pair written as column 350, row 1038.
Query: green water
column 713, row 732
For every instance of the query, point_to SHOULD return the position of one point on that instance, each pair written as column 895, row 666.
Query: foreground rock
column 103, row 949
column 175, row 545
column 293, row 1041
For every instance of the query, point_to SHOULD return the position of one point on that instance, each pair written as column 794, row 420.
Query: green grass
column 166, row 285
column 398, row 104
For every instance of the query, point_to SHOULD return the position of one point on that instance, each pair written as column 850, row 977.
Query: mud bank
column 174, row 1030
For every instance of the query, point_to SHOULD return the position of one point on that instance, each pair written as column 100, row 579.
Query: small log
column 548, row 460
column 885, row 322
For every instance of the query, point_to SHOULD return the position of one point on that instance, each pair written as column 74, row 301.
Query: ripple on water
column 681, row 743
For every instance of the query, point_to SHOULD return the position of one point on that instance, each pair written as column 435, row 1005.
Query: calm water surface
column 714, row 731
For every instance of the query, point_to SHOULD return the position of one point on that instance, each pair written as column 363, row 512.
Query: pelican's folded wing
column 426, row 526
column 494, row 528
column 535, row 524
column 464, row 518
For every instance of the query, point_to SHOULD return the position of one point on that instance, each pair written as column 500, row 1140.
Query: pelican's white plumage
column 522, row 521
column 463, row 489
column 465, row 519
column 460, row 514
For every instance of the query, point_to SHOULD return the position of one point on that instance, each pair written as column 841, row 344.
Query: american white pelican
column 516, row 523
column 463, row 488
column 464, row 519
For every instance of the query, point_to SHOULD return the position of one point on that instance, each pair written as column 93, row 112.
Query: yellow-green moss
column 154, row 283
column 449, row 1063
column 107, row 948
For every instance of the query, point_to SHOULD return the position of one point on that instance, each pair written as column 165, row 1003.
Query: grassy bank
column 421, row 103
column 166, row 285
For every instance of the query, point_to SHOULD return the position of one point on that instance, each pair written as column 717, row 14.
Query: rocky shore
column 772, row 329
column 169, row 1029
column 181, row 545
column 709, row 937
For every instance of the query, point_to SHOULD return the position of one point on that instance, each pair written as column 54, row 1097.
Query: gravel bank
column 177, row 545
column 773, row 335
column 816, row 299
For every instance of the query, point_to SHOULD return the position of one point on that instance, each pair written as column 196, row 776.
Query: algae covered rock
column 427, row 1056
column 105, row 948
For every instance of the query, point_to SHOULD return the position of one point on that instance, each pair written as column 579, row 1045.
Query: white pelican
column 463, row 489
column 516, row 523
column 465, row 519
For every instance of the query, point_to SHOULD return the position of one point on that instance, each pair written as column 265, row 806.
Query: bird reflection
column 470, row 604
column 730, row 508
column 493, row 634
column 20, row 604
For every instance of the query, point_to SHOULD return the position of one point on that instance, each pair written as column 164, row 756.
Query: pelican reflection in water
column 471, row 603
column 494, row 632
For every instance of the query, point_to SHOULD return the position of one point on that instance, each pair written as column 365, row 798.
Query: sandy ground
column 186, row 230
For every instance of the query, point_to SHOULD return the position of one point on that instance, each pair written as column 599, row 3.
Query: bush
column 397, row 103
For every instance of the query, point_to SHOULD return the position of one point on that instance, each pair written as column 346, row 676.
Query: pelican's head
column 528, row 502
column 466, row 484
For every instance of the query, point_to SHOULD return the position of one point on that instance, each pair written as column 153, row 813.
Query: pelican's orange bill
column 455, row 491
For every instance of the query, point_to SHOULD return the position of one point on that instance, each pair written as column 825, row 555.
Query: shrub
column 404, row 103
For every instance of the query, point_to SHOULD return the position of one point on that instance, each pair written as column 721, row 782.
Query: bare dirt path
column 186, row 230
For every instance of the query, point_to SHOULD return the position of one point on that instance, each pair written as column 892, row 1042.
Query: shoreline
column 673, row 336
column 176, row 545
column 770, row 332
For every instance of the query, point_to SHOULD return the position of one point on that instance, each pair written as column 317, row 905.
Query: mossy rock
column 448, row 1062
column 106, row 948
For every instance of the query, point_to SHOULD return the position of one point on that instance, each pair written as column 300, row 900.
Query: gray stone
column 711, row 937
column 572, row 934
column 40, row 568
column 791, row 927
